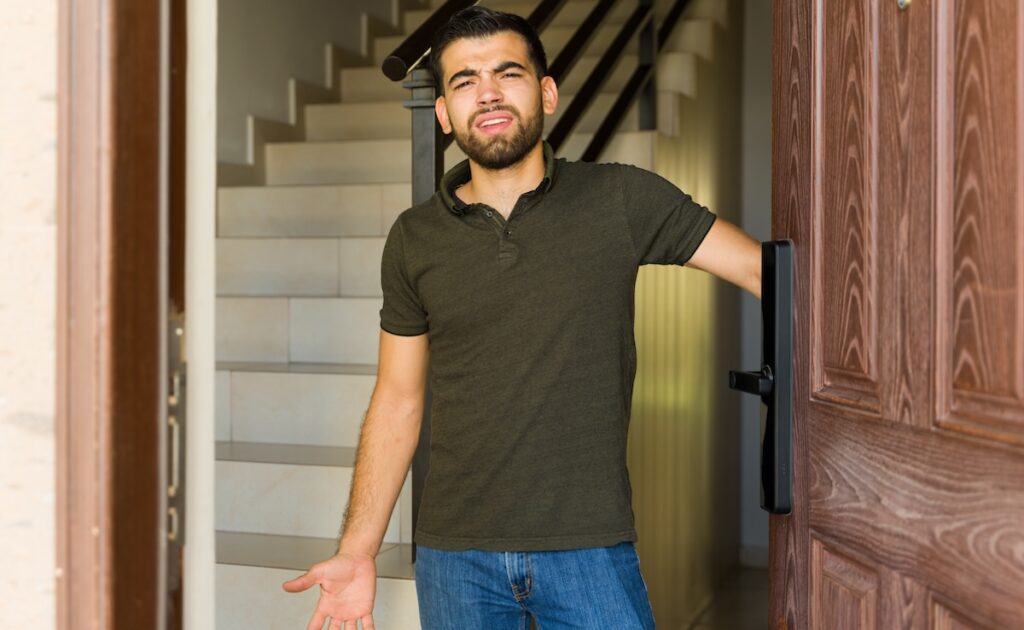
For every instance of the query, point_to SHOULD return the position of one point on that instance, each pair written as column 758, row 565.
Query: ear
column 442, row 115
column 549, row 94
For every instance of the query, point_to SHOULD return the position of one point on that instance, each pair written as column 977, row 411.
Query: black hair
column 478, row 21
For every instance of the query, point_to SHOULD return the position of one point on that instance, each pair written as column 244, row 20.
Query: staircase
column 298, row 295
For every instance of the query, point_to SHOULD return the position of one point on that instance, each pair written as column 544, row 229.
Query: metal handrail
column 415, row 47
column 641, row 77
column 412, row 49
column 574, row 48
column 574, row 113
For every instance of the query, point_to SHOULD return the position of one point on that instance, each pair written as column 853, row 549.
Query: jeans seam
column 529, row 577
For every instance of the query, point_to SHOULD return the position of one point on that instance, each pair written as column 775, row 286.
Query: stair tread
column 299, row 367
column 562, row 96
column 278, row 453
column 301, row 552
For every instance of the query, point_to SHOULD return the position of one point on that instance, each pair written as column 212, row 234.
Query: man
column 520, row 272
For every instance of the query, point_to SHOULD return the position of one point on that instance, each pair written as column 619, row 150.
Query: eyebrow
column 501, row 67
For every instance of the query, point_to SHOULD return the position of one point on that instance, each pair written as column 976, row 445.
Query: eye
column 513, row 74
column 461, row 85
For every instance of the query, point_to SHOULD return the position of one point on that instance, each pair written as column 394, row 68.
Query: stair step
column 388, row 120
column 312, row 330
column 572, row 13
column 278, row 266
column 287, row 499
column 329, row 210
column 251, row 598
column 554, row 39
column 339, row 161
column 369, row 83
column 252, row 329
column 347, row 266
column 692, row 35
column 288, row 403
column 350, row 161
column 335, row 330
column 296, row 454
column 298, row 553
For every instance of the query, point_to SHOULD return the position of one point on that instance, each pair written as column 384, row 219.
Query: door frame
column 112, row 303
column 792, row 162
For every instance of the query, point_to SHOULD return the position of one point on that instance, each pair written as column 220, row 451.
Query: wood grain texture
column 844, row 592
column 792, row 168
column 902, row 601
column 845, row 329
column 944, row 617
column 792, row 162
column 930, row 506
column 980, row 280
column 905, row 152
column 898, row 176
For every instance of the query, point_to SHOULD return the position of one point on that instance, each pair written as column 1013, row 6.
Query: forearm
column 387, row 442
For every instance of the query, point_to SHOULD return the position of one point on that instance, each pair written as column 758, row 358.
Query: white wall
column 200, row 296
column 756, row 220
column 263, row 43
column 28, row 290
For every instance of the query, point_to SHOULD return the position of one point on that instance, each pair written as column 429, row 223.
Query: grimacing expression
column 485, row 78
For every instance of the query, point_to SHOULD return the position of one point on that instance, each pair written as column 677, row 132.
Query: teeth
column 496, row 121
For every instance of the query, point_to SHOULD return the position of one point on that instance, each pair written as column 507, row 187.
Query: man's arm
column 387, row 441
column 731, row 254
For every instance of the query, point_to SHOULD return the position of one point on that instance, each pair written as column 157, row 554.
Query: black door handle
column 774, row 382
column 758, row 383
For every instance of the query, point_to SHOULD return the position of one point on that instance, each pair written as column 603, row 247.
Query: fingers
column 368, row 622
column 300, row 583
column 316, row 622
column 336, row 624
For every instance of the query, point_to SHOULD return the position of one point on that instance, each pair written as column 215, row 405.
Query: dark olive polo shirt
column 532, row 354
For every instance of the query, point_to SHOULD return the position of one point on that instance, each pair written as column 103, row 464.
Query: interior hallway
column 739, row 603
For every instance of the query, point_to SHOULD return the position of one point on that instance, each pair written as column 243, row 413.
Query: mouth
column 495, row 124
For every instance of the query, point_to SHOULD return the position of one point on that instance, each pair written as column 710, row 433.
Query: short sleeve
column 402, row 312
column 666, row 224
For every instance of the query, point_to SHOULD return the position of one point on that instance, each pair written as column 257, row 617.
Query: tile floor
column 740, row 603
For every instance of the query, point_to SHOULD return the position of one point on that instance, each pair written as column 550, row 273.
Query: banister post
column 648, row 52
column 427, row 169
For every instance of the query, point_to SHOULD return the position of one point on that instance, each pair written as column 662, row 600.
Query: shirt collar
column 460, row 174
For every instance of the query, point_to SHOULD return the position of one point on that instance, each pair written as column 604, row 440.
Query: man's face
column 492, row 99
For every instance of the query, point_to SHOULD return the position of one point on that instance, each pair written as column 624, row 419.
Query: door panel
column 898, row 171
column 979, row 281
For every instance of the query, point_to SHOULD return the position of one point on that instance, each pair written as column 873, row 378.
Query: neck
column 500, row 189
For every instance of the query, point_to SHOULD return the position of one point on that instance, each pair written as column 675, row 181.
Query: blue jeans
column 599, row 587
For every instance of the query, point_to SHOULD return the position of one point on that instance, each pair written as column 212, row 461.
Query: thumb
column 300, row 583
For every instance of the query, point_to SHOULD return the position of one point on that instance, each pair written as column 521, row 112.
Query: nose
column 488, row 91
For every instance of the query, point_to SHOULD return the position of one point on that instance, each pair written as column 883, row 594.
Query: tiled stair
column 298, row 285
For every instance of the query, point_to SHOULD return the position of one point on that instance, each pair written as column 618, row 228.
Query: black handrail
column 411, row 50
column 640, row 77
column 574, row 113
column 671, row 18
column 574, row 48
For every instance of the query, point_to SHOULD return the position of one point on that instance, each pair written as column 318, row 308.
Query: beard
column 502, row 151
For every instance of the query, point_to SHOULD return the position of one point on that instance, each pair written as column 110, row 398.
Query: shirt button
column 508, row 233
column 488, row 212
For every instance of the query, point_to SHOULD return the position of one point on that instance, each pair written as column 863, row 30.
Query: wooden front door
column 898, row 172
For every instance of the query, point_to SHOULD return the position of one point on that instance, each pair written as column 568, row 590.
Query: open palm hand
column 348, row 585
